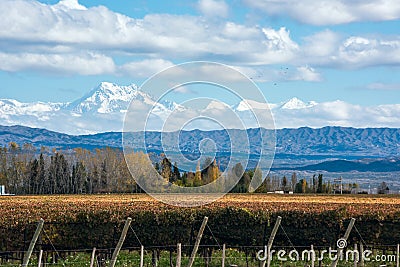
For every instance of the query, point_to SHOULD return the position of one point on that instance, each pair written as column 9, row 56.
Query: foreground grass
column 233, row 258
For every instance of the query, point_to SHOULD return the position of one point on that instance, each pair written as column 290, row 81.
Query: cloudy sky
column 326, row 50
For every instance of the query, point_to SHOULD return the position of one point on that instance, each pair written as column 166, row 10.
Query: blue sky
column 314, row 50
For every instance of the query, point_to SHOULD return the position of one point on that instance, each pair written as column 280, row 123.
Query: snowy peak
column 246, row 105
column 216, row 105
column 104, row 109
column 107, row 103
column 296, row 103
column 172, row 106
column 242, row 106
column 114, row 89
column 107, row 98
column 110, row 98
column 14, row 107
column 8, row 106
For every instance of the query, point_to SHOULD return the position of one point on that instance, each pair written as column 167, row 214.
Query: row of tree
column 313, row 185
column 206, row 173
column 24, row 170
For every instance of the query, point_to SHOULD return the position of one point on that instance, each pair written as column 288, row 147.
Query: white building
column 3, row 191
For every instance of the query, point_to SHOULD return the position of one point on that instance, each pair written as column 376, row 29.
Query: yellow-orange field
column 28, row 209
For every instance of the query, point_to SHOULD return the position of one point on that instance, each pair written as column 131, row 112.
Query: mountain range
column 107, row 104
column 104, row 107
column 364, row 165
column 96, row 119
column 327, row 141
column 331, row 149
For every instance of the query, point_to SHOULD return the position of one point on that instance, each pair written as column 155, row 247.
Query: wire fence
column 206, row 256
column 216, row 254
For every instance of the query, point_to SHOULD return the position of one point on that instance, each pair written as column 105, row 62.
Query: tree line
column 24, row 170
column 27, row 170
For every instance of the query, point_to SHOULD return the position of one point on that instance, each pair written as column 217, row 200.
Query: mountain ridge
column 378, row 165
column 333, row 141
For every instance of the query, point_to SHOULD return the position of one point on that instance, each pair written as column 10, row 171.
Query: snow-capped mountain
column 296, row 103
column 103, row 109
column 246, row 105
column 111, row 98
column 217, row 105
column 292, row 104
column 108, row 98
column 14, row 107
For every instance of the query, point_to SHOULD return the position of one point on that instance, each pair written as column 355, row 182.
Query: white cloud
column 85, row 64
column 383, row 86
column 330, row 49
column 184, row 90
column 359, row 51
column 70, row 4
column 213, row 8
column 37, row 36
column 321, row 45
column 338, row 113
column 330, row 12
column 145, row 68
column 306, row 73
column 269, row 74
column 33, row 27
column 281, row 44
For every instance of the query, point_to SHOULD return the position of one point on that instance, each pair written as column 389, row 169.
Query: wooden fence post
column 33, row 243
column 312, row 256
column 197, row 243
column 93, row 257
column 179, row 255
column 271, row 241
column 40, row 258
column 223, row 255
column 358, row 255
column 120, row 242
column 154, row 258
column 345, row 237
column 141, row 256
